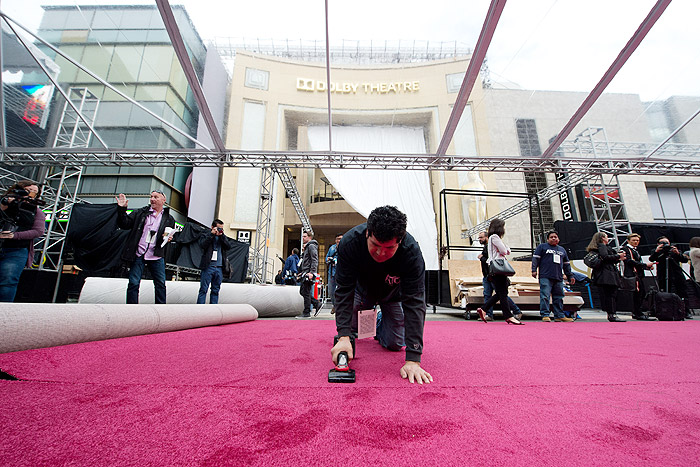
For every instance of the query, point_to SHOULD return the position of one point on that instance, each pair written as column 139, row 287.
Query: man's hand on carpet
column 343, row 344
column 415, row 373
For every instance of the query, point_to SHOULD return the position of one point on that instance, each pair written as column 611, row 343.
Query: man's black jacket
column 206, row 241
column 134, row 222
column 403, row 273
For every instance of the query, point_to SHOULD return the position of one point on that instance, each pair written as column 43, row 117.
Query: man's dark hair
column 658, row 240
column 309, row 234
column 216, row 222
column 498, row 227
column 339, row 235
column 295, row 251
column 387, row 223
column 550, row 233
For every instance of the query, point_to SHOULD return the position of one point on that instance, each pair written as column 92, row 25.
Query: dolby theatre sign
column 395, row 87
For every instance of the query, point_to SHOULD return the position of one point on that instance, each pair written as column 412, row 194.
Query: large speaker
column 37, row 286
column 431, row 288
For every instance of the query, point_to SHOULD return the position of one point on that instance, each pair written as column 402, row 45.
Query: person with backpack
column 605, row 273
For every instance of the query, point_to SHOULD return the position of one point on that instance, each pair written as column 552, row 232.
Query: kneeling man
column 380, row 263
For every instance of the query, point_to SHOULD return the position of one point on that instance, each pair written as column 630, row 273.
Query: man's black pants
column 305, row 290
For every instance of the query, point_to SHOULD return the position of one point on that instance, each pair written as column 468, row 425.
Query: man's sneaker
column 546, row 319
column 518, row 315
column 303, row 316
column 564, row 319
column 318, row 309
column 489, row 318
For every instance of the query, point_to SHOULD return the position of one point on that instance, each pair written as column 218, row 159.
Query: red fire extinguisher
column 317, row 286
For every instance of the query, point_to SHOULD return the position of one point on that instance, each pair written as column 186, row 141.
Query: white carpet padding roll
column 36, row 325
column 268, row 300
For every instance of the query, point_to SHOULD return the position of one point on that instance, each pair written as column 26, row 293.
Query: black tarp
column 96, row 240
column 97, row 243
column 189, row 252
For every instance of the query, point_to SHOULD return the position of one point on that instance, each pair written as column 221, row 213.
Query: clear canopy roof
column 534, row 45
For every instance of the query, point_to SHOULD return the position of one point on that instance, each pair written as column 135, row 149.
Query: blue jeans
column 488, row 291
column 555, row 289
column 331, row 288
column 12, row 262
column 212, row 275
column 157, row 269
column 390, row 323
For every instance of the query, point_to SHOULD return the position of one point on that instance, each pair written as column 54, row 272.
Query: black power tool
column 342, row 372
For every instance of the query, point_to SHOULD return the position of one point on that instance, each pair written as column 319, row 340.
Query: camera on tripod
column 666, row 248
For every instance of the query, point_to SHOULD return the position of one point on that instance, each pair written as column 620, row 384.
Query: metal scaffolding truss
column 290, row 187
column 74, row 131
column 259, row 264
column 603, row 187
column 553, row 190
column 608, row 208
column 603, row 190
column 346, row 51
column 623, row 158
column 74, row 128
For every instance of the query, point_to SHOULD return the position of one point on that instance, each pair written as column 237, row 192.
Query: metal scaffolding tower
column 259, row 263
column 73, row 132
column 603, row 191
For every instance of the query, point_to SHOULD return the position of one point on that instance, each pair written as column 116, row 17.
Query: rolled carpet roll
column 26, row 326
column 268, row 300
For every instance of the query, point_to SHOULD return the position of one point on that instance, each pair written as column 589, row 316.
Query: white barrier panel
column 268, row 300
column 26, row 326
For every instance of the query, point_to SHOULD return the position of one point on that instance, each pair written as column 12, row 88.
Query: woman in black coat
column 606, row 276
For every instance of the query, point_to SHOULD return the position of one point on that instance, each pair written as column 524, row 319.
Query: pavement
column 441, row 313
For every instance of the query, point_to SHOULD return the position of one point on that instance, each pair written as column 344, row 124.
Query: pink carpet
column 255, row 393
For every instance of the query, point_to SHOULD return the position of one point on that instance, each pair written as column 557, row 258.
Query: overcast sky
column 562, row 45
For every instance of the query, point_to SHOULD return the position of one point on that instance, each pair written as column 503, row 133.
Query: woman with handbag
column 499, row 270
column 606, row 276
column 633, row 274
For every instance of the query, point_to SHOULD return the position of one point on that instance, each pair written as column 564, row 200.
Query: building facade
column 129, row 47
column 275, row 103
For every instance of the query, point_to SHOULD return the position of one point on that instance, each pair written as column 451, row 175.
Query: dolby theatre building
column 280, row 104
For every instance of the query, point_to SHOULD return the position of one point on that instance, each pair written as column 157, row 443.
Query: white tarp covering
column 364, row 190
